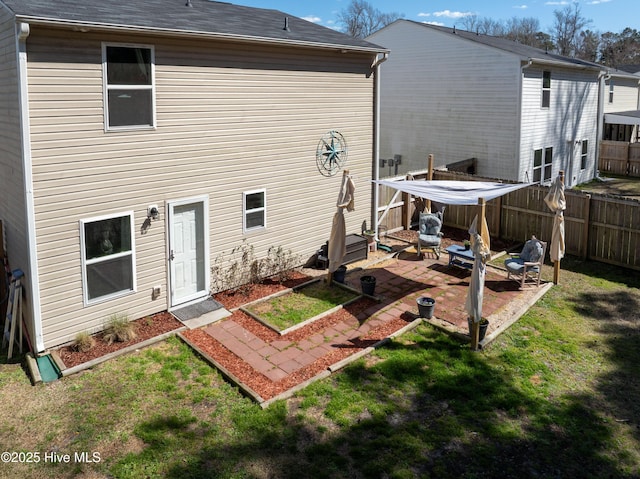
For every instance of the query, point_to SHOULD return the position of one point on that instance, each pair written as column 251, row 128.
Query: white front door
column 188, row 247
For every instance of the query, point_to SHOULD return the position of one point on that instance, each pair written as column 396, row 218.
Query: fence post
column 587, row 227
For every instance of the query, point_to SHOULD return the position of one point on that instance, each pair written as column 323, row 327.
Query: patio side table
column 460, row 257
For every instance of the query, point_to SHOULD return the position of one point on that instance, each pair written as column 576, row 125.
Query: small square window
column 254, row 210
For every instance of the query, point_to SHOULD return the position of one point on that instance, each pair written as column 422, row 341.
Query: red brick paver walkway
column 294, row 358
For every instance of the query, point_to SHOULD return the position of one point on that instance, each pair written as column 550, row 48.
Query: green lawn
column 294, row 307
column 556, row 396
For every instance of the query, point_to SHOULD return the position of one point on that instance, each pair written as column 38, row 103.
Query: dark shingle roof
column 524, row 51
column 203, row 17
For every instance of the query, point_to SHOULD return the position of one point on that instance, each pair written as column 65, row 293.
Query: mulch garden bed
column 164, row 322
column 145, row 328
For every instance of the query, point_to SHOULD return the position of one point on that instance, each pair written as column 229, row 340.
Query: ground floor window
column 255, row 210
column 584, row 154
column 108, row 259
column 542, row 165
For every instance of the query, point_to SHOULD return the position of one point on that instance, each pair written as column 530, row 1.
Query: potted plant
column 368, row 284
column 467, row 244
column 370, row 235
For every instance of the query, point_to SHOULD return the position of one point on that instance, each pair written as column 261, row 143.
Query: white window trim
column 245, row 211
column 584, row 156
column 106, row 87
column 85, row 262
column 611, row 87
column 543, row 165
column 545, row 89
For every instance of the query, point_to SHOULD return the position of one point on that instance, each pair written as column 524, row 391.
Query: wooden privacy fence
column 619, row 158
column 597, row 227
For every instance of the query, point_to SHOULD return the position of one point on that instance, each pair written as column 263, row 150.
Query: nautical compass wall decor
column 331, row 154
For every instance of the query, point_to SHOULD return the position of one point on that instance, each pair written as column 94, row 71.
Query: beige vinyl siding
column 12, row 201
column 625, row 95
column 230, row 118
column 446, row 96
column 572, row 116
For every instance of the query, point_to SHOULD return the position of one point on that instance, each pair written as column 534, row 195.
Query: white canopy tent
column 460, row 193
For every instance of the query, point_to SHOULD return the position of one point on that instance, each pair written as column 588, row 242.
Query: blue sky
column 605, row 15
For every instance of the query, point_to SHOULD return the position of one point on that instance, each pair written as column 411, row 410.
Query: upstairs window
column 546, row 89
column 584, row 154
column 129, row 86
column 254, row 207
column 542, row 165
column 610, row 91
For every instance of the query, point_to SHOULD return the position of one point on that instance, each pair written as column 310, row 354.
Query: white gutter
column 31, row 276
column 603, row 76
column 376, row 142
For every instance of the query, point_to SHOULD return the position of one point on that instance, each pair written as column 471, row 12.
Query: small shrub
column 83, row 342
column 119, row 329
column 239, row 269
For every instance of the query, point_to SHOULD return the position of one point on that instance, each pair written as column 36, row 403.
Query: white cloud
column 437, row 24
column 553, row 4
column 312, row 19
column 521, row 7
column 450, row 14
column 424, row 14
column 598, row 2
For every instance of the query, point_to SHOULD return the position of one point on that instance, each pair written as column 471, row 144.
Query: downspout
column 603, row 76
column 376, row 141
column 32, row 279
column 519, row 122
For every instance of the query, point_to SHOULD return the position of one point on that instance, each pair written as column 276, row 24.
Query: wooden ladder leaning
column 13, row 317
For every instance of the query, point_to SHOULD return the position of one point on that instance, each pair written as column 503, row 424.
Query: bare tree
column 482, row 25
column 523, row 30
column 360, row 19
column 566, row 29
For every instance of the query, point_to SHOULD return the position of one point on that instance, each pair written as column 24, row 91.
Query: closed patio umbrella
column 337, row 239
column 556, row 202
column 481, row 252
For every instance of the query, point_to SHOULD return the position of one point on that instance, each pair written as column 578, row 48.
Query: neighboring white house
column 141, row 140
column 621, row 106
column 521, row 113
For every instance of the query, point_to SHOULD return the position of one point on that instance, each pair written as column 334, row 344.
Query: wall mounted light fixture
column 152, row 212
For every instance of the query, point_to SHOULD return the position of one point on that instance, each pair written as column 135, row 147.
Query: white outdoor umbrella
column 481, row 251
column 337, row 239
column 556, row 202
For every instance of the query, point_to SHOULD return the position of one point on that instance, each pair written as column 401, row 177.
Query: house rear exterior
column 622, row 106
column 142, row 141
column 520, row 113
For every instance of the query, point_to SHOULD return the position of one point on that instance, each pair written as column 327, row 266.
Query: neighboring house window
column 546, row 89
column 542, row 165
column 107, row 257
column 129, row 86
column 584, row 154
column 610, row 91
column 254, row 207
